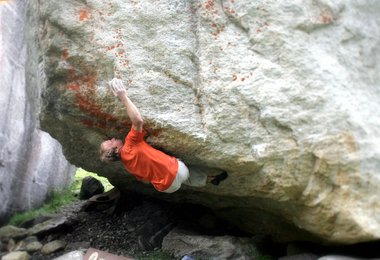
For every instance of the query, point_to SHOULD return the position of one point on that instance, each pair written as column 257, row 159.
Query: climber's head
column 110, row 150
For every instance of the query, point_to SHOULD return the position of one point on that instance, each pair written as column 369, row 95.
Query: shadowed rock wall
column 31, row 161
column 281, row 94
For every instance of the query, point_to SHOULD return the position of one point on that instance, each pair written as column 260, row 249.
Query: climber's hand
column 117, row 87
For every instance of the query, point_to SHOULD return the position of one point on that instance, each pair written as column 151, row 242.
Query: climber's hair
column 109, row 155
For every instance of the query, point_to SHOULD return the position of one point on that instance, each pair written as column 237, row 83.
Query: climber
column 164, row 172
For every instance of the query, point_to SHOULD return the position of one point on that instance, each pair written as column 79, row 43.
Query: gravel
column 129, row 230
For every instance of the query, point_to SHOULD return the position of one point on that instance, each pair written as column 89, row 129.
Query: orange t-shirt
column 147, row 163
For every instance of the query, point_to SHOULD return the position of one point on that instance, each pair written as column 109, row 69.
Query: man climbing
column 164, row 172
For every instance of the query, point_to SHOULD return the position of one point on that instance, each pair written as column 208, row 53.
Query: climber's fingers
column 117, row 86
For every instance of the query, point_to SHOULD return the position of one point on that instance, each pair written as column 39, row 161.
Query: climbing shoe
column 218, row 178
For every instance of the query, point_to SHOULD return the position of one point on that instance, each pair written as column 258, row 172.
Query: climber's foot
column 215, row 180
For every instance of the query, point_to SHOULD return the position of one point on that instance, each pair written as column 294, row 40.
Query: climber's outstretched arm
column 120, row 91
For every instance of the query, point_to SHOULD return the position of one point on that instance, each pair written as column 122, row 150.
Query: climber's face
column 111, row 144
column 110, row 150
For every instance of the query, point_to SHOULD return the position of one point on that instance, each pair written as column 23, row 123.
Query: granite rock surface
column 31, row 161
column 282, row 95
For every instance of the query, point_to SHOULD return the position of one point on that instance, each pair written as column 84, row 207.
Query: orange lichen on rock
column 83, row 15
column 111, row 47
column 210, row 5
column 73, row 86
column 65, row 54
column 326, row 18
column 85, row 100
column 208, row 9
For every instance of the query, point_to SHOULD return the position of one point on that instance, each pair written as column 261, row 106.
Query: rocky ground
column 144, row 228
column 116, row 233
column 136, row 227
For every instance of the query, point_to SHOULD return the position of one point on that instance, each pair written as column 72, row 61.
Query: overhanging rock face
column 281, row 94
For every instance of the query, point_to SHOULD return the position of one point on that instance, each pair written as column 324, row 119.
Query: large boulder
column 31, row 161
column 283, row 95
